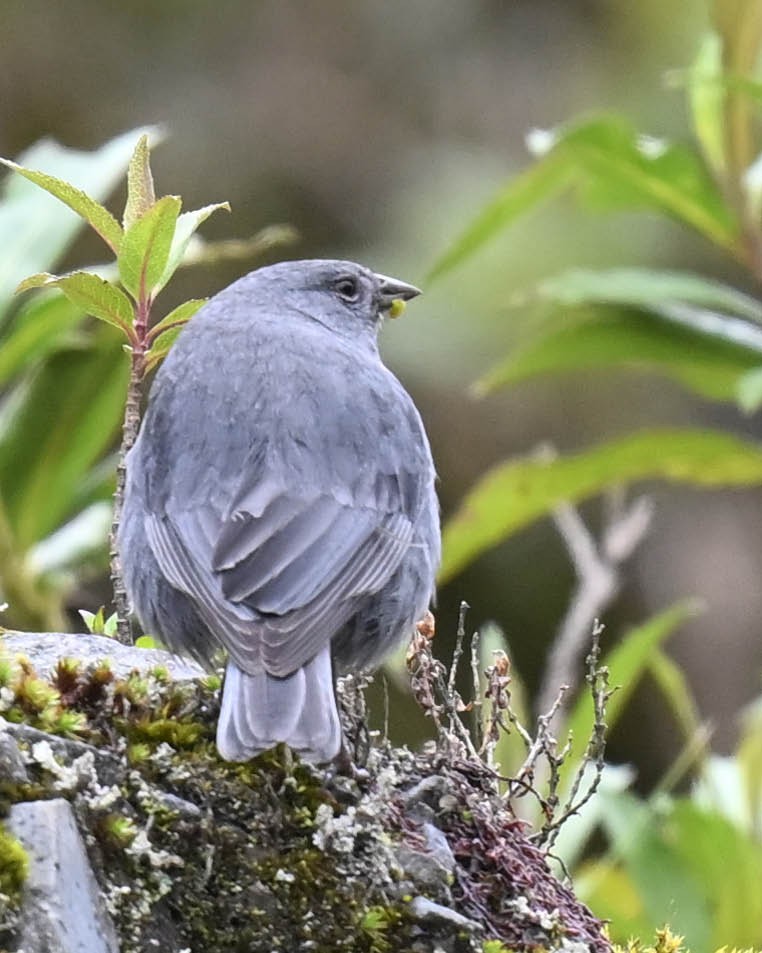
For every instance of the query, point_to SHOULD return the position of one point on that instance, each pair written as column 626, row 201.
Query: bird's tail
column 258, row 711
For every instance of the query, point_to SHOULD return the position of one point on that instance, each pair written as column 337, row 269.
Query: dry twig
column 597, row 565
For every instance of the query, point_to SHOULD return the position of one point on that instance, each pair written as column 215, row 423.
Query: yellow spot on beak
column 397, row 308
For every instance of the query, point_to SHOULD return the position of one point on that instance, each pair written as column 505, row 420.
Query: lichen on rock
column 413, row 851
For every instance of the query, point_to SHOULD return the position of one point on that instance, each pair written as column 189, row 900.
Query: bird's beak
column 394, row 294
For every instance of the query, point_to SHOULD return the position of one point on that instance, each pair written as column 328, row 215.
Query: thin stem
column 130, row 427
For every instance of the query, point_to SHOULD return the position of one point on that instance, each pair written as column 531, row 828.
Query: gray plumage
column 280, row 500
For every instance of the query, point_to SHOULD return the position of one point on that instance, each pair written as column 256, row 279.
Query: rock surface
column 46, row 648
column 63, row 911
column 414, row 852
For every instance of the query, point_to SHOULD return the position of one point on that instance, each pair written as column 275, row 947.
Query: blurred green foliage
column 699, row 331
column 64, row 383
column 691, row 859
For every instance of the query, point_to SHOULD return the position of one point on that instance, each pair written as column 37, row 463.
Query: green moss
column 377, row 923
column 176, row 733
column 120, row 831
column 192, row 852
column 14, row 866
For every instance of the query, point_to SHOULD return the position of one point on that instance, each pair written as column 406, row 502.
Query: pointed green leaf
column 140, row 191
column 673, row 684
column 708, row 364
column 161, row 347
column 91, row 211
column 35, row 228
column 675, row 332
column 528, row 190
column 146, row 245
column 88, row 618
column 94, row 295
column 512, row 495
column 187, row 224
column 707, row 99
column 646, row 288
column 621, row 169
column 615, row 169
column 177, row 317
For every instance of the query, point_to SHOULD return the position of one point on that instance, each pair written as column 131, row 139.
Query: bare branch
column 597, row 567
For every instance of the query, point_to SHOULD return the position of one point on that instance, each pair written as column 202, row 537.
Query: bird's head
column 345, row 297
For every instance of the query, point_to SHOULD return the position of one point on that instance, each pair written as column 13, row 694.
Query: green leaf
column 668, row 889
column 615, row 168
column 512, row 495
column 161, row 347
column 78, row 201
column 646, row 288
column 89, row 618
column 187, row 224
column 727, row 863
column 177, row 317
column 627, row 662
column 94, row 295
column 675, row 689
column 146, row 245
column 44, row 325
column 707, row 364
column 708, row 352
column 35, row 229
column 621, row 169
column 528, row 190
column 164, row 334
column 146, row 642
column 56, row 427
column 140, row 191
column 707, row 100
column 110, row 625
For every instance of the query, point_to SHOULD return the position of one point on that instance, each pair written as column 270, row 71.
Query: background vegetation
column 380, row 134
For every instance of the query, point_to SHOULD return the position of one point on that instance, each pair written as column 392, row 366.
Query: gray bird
column 280, row 500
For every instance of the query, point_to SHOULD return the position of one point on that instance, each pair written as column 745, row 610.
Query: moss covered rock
column 411, row 852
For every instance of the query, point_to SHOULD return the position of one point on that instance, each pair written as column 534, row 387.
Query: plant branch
column 130, row 428
column 597, row 566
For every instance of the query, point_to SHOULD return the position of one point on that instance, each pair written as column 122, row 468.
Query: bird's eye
column 347, row 288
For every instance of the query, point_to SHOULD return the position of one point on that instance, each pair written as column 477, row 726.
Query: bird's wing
column 277, row 576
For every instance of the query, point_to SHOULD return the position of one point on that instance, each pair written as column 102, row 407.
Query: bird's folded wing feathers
column 277, row 579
